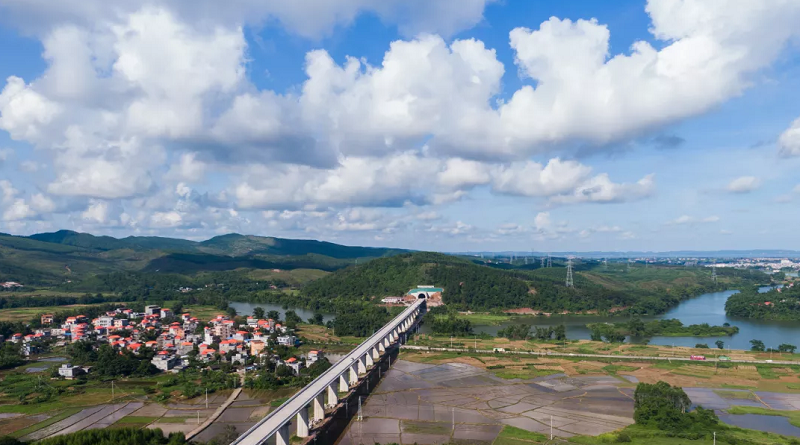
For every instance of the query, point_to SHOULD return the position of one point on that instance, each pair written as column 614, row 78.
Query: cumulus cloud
column 159, row 95
column 789, row 141
column 744, row 184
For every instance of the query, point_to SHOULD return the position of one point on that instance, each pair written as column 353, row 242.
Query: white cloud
column 600, row 189
column 308, row 18
column 744, row 184
column 789, row 141
column 686, row 219
column 796, row 189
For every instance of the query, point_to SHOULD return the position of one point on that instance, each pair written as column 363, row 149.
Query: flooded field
column 425, row 403
column 429, row 403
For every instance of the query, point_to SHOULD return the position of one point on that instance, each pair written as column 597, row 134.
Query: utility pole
column 112, row 390
column 551, row 427
column 206, row 398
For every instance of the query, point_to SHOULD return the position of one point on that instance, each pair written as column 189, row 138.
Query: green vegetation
column 793, row 416
column 122, row 436
column 510, row 435
column 740, row 395
column 772, row 305
column 613, row 369
column 666, row 328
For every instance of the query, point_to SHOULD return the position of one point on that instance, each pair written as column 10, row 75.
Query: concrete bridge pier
column 282, row 435
column 362, row 365
column 319, row 407
column 353, row 374
column 302, row 422
column 369, row 360
column 344, row 386
column 333, row 397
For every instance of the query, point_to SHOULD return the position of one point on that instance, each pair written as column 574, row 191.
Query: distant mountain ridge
column 55, row 257
column 232, row 244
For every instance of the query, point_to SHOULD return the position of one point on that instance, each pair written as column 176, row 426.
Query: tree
column 560, row 332
column 231, row 311
column 317, row 319
column 258, row 312
column 720, row 344
column 636, row 327
column 666, row 407
column 275, row 315
column 515, row 332
column 757, row 345
column 701, row 346
column 785, row 347
column 292, row 319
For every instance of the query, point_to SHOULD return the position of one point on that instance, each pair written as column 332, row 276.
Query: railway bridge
column 323, row 391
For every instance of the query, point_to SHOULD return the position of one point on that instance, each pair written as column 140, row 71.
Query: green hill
column 49, row 259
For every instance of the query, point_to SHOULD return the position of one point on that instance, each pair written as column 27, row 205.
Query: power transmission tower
column 569, row 273
column 360, row 414
column 542, row 266
column 714, row 273
column 629, row 266
column 549, row 260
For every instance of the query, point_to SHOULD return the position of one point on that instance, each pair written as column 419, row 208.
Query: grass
column 648, row 436
column 740, row 395
column 136, row 420
column 518, row 434
column 486, row 319
column 174, row 419
column 793, row 416
column 47, row 422
column 613, row 369
column 28, row 313
column 417, row 427
column 528, row 373
column 766, row 372
column 278, row 402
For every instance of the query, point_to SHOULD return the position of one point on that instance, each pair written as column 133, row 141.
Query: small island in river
column 615, row 332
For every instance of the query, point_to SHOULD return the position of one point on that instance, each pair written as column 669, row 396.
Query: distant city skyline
column 478, row 125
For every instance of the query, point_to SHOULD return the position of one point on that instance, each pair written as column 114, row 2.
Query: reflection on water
column 772, row 424
column 707, row 308
column 247, row 309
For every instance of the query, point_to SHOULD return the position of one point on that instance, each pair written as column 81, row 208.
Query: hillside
column 49, row 259
column 471, row 286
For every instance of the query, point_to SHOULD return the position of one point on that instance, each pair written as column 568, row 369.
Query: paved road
column 269, row 425
column 622, row 357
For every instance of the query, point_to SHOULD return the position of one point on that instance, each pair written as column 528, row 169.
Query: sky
column 477, row 125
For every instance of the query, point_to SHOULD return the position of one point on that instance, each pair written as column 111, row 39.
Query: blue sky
column 474, row 125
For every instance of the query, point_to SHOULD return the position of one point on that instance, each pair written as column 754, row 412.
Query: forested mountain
column 467, row 285
column 48, row 259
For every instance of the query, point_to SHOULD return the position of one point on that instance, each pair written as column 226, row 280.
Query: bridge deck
column 270, row 424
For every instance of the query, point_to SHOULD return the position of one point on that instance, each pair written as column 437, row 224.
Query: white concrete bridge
column 323, row 391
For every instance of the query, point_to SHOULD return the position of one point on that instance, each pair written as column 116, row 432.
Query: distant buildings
column 70, row 372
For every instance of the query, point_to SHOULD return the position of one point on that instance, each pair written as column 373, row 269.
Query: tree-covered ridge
column 50, row 259
column 471, row 286
column 776, row 304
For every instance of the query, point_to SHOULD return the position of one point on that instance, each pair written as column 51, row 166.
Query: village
column 175, row 340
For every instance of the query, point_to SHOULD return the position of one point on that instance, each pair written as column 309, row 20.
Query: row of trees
column 771, row 305
column 758, row 346
column 529, row 332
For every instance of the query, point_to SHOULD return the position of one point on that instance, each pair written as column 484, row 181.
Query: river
column 247, row 309
column 707, row 308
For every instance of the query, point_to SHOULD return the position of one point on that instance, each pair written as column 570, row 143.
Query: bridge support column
column 282, row 435
column 319, row 407
column 343, row 382
column 353, row 374
column 302, row 422
column 370, row 362
column 375, row 353
column 362, row 365
column 387, row 342
column 381, row 348
column 333, row 398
